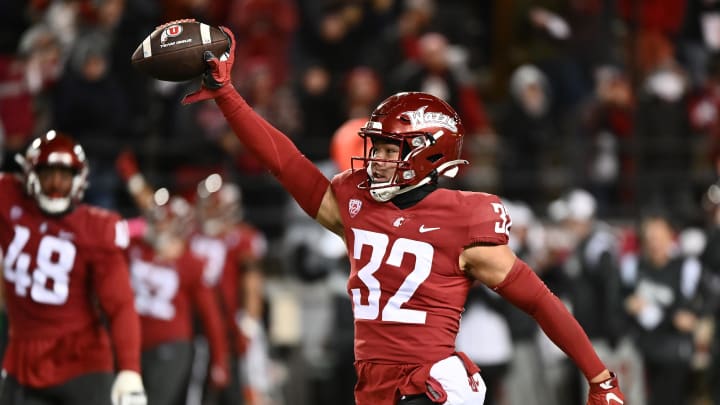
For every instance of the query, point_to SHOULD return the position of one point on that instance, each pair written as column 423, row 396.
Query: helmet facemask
column 429, row 134
column 54, row 150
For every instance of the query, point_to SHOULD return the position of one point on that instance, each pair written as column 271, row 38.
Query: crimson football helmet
column 430, row 135
column 219, row 204
column 54, row 149
column 169, row 216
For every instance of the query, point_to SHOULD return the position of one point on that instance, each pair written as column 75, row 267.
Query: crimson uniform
column 59, row 273
column 406, row 285
column 224, row 255
column 166, row 293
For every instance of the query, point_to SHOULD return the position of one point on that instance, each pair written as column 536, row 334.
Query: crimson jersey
column 406, row 285
column 166, row 293
column 59, row 273
column 224, row 256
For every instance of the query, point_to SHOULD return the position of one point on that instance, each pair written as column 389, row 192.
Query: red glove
column 606, row 392
column 126, row 165
column 217, row 74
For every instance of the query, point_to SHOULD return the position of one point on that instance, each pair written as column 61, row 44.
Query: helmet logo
column 354, row 206
column 169, row 32
column 60, row 158
column 419, row 119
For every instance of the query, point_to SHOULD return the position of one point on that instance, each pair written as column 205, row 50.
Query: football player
column 414, row 248
column 65, row 280
column 233, row 250
column 166, row 278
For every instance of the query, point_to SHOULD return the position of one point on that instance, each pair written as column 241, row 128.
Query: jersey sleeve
column 488, row 221
column 207, row 307
column 112, row 286
column 111, row 278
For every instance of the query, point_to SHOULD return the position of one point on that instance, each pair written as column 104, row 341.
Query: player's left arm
column 497, row 267
column 112, row 286
column 204, row 299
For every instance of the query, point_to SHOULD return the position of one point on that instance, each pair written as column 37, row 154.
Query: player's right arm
column 296, row 173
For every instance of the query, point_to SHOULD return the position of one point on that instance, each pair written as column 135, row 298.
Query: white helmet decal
column 419, row 119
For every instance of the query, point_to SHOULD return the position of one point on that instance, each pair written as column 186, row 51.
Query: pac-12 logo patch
column 354, row 206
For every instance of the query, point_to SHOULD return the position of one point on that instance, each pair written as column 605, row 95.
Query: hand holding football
column 174, row 51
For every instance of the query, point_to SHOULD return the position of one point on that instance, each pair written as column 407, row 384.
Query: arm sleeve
column 523, row 288
column 295, row 172
column 209, row 311
column 112, row 284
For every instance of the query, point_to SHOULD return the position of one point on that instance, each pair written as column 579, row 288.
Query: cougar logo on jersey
column 354, row 206
column 399, row 221
column 419, row 119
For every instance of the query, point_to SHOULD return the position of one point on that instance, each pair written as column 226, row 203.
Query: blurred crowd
column 596, row 121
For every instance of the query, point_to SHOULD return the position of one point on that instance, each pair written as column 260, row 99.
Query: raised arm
column 296, row 173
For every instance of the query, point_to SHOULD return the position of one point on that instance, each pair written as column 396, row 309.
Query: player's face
column 55, row 181
column 382, row 171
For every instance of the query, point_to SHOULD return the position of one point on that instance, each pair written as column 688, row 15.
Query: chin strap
column 385, row 194
column 386, row 191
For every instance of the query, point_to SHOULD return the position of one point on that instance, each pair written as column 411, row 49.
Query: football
column 174, row 51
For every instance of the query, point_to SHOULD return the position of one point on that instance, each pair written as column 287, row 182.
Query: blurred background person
column 167, row 280
column 531, row 140
column 72, row 323
column 593, row 267
column 318, row 267
column 525, row 382
column 89, row 101
column 485, row 337
column 606, row 134
column 233, row 251
column 662, row 301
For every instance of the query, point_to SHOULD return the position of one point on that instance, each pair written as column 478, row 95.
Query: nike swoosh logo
column 423, row 229
column 612, row 397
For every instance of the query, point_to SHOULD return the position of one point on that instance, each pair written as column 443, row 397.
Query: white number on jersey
column 49, row 282
column 393, row 310
column 155, row 287
column 502, row 226
column 214, row 252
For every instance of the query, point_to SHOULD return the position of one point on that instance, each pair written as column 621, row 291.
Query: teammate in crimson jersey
column 64, row 275
column 414, row 248
column 167, row 280
column 232, row 250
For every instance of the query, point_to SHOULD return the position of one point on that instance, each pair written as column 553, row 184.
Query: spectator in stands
column 265, row 30
column 525, row 381
column 606, row 133
column 593, row 267
column 90, row 103
column 485, row 337
column 662, row 304
column 664, row 143
column 531, row 155
column 27, row 79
